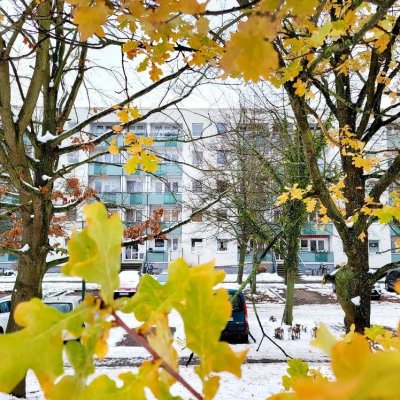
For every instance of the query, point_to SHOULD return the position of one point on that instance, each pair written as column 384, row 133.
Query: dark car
column 376, row 291
column 237, row 328
column 391, row 278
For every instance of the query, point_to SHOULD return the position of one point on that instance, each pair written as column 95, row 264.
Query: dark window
column 63, row 307
column 5, row 306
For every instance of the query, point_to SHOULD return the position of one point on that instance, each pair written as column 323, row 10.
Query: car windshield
column 236, row 303
column 63, row 307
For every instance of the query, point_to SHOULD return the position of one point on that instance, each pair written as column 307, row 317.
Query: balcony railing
column 316, row 228
column 141, row 198
column 316, row 256
column 167, row 169
column 395, row 257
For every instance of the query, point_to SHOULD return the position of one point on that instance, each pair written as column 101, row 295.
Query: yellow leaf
column 397, row 286
column 149, row 162
column 134, row 148
column 310, row 204
column 39, row 345
column 249, row 54
column 362, row 236
column 90, row 19
column 365, row 162
column 301, row 87
column 123, row 116
column 134, row 112
column 324, row 340
column 94, row 256
column 283, row 198
column 130, row 138
column 113, row 148
column 131, row 165
column 117, row 128
column 146, row 141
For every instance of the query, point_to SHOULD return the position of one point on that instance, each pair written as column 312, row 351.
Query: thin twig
column 144, row 343
column 263, row 332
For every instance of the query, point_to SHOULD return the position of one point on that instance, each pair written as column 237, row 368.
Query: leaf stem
column 141, row 340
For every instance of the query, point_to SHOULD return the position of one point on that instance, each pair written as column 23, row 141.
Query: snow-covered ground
column 263, row 369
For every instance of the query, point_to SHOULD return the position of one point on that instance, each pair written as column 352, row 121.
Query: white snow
column 262, row 374
column 356, row 300
column 25, row 248
column 46, row 177
column 47, row 137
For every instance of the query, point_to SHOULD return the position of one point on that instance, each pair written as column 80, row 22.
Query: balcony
column 316, row 228
column 316, row 257
column 96, row 169
column 395, row 257
column 141, row 198
column 169, row 169
column 161, row 256
column 168, row 143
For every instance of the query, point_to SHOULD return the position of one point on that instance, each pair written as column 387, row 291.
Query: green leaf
column 39, row 345
column 296, row 368
column 95, row 252
column 205, row 313
column 154, row 300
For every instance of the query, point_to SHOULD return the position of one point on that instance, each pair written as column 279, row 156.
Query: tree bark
column 242, row 258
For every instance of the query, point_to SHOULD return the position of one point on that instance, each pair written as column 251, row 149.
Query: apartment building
column 186, row 180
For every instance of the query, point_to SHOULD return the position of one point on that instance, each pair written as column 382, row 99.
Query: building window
column 158, row 186
column 197, row 244
column 197, row 129
column 131, row 253
column 112, row 158
column 222, row 245
column 134, row 186
column 198, row 217
column 197, row 186
column 304, row 245
column 313, row 245
column 171, row 216
column 221, row 157
column 175, row 242
column 373, row 246
column 159, row 243
column 197, row 157
column 222, row 127
column 173, row 187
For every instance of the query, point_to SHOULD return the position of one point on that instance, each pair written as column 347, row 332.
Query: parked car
column 5, row 307
column 237, row 328
column 128, row 284
column 376, row 291
column 61, row 303
column 391, row 278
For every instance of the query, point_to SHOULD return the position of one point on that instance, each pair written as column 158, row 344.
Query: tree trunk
column 32, row 263
column 353, row 289
column 254, row 272
column 291, row 267
column 242, row 258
